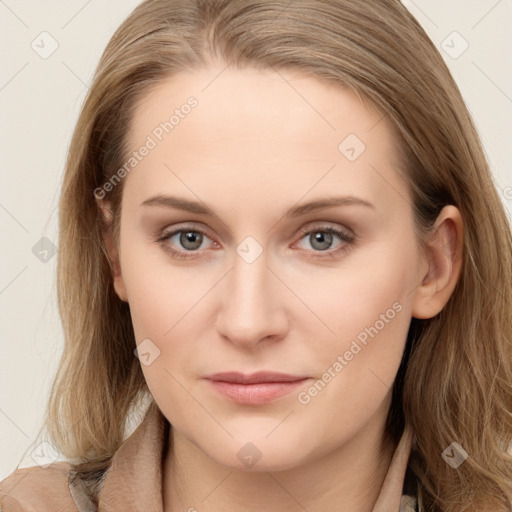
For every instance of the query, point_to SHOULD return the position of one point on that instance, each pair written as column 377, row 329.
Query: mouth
column 254, row 389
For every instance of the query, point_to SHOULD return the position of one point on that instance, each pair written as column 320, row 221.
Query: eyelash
column 342, row 236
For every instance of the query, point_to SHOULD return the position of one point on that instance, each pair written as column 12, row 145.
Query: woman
column 280, row 242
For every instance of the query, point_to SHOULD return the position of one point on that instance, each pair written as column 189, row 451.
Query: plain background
column 40, row 97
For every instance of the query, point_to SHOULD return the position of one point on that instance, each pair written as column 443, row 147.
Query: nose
column 252, row 305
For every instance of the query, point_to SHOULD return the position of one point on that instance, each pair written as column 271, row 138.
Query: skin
column 257, row 144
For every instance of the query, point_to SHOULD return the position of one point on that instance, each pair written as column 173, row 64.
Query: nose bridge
column 250, row 281
column 250, row 306
column 249, row 287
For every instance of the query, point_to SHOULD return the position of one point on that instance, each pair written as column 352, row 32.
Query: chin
column 261, row 454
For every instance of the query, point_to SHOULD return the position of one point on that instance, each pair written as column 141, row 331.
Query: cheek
column 370, row 283
column 366, row 303
column 169, row 306
column 160, row 293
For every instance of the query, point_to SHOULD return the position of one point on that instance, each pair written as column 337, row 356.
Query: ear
column 112, row 252
column 444, row 264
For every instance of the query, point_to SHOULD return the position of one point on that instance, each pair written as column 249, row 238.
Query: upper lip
column 262, row 376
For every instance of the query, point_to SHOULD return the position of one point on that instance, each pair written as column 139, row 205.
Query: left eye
column 322, row 238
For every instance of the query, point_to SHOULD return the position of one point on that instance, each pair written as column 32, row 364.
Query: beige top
column 133, row 482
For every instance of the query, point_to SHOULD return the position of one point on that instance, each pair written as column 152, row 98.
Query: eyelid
column 346, row 235
column 319, row 225
column 170, row 231
column 302, row 231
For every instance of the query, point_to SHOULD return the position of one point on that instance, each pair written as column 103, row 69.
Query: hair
column 454, row 382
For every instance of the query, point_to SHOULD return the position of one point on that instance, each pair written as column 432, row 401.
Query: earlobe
column 445, row 250
column 111, row 250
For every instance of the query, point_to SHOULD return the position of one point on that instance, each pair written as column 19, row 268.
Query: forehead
column 254, row 132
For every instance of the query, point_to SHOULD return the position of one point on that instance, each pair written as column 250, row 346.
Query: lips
column 254, row 389
column 254, row 378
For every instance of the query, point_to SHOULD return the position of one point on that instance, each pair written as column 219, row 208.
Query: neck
column 347, row 478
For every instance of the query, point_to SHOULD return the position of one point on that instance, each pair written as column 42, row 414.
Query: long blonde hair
column 454, row 383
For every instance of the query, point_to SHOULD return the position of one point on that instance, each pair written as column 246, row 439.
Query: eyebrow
column 201, row 208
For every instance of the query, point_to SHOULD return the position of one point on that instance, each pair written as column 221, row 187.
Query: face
column 251, row 279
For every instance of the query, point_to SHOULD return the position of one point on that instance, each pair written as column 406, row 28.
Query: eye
column 321, row 239
column 190, row 239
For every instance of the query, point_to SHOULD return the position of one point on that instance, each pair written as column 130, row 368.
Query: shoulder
column 37, row 488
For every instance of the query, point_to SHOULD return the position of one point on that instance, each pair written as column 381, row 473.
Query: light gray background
column 40, row 100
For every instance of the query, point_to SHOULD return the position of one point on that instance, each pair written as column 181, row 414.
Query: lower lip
column 255, row 394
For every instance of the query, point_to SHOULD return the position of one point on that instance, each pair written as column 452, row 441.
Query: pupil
column 190, row 238
column 325, row 238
